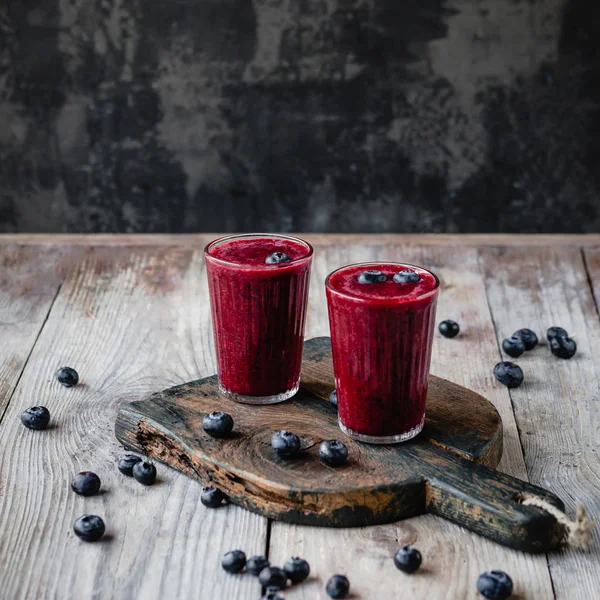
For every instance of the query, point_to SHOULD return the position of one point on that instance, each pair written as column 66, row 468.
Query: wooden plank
column 29, row 282
column 130, row 321
column 557, row 407
column 199, row 240
column 453, row 558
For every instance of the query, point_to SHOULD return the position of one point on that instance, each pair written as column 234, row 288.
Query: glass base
column 274, row 399
column 382, row 439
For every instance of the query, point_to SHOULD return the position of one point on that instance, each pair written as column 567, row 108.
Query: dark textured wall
column 303, row 115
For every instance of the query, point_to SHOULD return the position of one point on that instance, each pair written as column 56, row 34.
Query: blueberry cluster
column 287, row 446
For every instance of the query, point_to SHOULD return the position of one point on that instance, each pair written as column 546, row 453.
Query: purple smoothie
column 381, row 335
column 258, row 314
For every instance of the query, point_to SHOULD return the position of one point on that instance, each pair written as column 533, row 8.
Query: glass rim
column 236, row 236
column 392, row 300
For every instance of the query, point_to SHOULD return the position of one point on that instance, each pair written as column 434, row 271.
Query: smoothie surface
column 345, row 281
column 252, row 252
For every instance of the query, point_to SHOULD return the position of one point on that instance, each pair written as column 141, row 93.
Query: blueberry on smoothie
column 528, row 337
column 513, row 346
column 449, row 328
column 217, row 424
column 407, row 276
column 563, row 347
column 509, row 374
column 67, row 376
column 333, row 452
column 285, row 443
column 372, row 276
column 36, row 417
column 86, row 483
column 495, row 585
column 277, row 258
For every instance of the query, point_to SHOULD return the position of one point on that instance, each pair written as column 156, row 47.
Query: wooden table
column 131, row 314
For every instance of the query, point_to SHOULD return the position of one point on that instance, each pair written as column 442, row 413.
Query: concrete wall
column 314, row 115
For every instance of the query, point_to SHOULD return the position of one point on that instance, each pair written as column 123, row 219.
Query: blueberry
column 555, row 332
column 563, row 347
column 407, row 276
column 234, row 561
column 509, row 374
column 256, row 564
column 296, row 569
column 285, row 443
column 36, row 417
column 338, row 587
column 513, row 346
column 127, row 463
column 449, row 328
column 528, row 338
column 90, row 528
column 407, row 559
column 273, row 577
column 144, row 472
column 86, row 483
column 333, row 452
column 212, row 497
column 67, row 376
column 217, row 424
column 495, row 585
column 372, row 276
column 277, row 258
column 333, row 398
column 271, row 595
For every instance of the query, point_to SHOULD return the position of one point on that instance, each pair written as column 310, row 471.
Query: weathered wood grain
column 29, row 282
column 130, row 321
column 453, row 558
column 557, row 408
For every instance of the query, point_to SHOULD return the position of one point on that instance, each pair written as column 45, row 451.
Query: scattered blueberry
column 271, row 595
column 212, row 497
column 296, row 569
column 338, row 587
column 509, row 374
column 256, row 564
column 67, row 376
column 556, row 332
column 513, row 346
column 449, row 328
column 144, row 472
column 407, row 559
column 36, row 417
column 217, row 424
column 127, row 463
column 333, row 452
column 234, row 561
column 277, row 258
column 273, row 577
column 90, row 528
column 407, row 276
column 563, row 347
column 528, row 337
column 86, row 483
column 333, row 398
column 285, row 443
column 372, row 276
column 495, row 585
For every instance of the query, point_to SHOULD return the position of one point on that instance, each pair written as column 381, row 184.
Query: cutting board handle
column 489, row 503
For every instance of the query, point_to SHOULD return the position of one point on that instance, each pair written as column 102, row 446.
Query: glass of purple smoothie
column 382, row 319
column 258, row 294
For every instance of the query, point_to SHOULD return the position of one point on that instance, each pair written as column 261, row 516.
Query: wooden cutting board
column 448, row 470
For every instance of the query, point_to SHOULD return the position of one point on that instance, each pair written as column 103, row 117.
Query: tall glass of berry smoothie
column 382, row 318
column 258, row 294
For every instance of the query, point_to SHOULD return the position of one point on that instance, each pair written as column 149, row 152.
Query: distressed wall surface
column 314, row 115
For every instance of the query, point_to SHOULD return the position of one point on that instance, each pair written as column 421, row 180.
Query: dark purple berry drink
column 258, row 292
column 382, row 328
